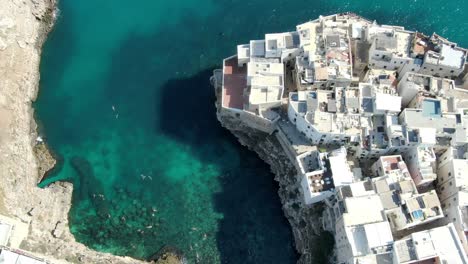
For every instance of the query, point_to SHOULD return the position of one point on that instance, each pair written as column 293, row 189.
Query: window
column 385, row 67
column 412, row 69
column 440, row 69
column 451, row 71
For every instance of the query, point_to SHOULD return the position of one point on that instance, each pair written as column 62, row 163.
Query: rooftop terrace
column 415, row 210
column 234, row 82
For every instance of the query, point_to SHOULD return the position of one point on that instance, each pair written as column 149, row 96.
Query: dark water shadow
column 254, row 229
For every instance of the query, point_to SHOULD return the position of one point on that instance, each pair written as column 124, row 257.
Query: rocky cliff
column 304, row 220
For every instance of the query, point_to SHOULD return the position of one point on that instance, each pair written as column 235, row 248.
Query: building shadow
column 253, row 228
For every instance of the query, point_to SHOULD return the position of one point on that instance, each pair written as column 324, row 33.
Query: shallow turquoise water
column 126, row 103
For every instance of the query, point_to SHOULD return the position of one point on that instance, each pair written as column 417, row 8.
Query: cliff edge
column 304, row 220
column 24, row 25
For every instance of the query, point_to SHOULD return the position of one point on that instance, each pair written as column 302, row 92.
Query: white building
column 452, row 187
column 391, row 165
column 321, row 173
column 315, row 172
column 326, row 60
column 5, row 233
column 421, row 162
column 16, row 256
column 284, row 46
column 265, row 85
column 362, row 231
column 443, row 58
column 437, row 245
column 243, row 54
column 404, row 207
column 390, row 47
column 405, row 51
column 314, row 114
column 414, row 210
column 411, row 84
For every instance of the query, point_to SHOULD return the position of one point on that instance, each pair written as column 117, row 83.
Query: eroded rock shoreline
column 305, row 221
column 24, row 26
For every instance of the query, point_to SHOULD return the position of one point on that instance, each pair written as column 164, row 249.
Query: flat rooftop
column 234, row 82
column 363, row 210
column 417, row 210
column 398, row 42
column 365, row 238
column 418, row 118
column 452, row 57
column 440, row 244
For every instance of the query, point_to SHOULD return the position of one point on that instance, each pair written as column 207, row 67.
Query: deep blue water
column 126, row 103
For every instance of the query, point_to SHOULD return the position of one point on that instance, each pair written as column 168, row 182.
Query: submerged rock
column 168, row 255
column 45, row 160
column 90, row 186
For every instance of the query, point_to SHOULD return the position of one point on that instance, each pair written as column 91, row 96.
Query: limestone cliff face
column 24, row 25
column 305, row 221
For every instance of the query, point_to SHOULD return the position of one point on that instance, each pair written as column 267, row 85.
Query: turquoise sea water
column 126, row 103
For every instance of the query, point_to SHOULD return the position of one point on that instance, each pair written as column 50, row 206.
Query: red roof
column 234, row 83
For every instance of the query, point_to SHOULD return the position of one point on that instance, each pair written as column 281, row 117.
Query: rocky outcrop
column 45, row 160
column 169, row 255
column 304, row 220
